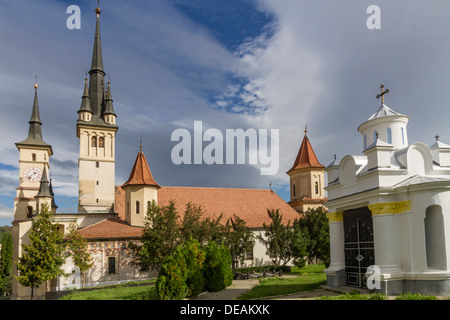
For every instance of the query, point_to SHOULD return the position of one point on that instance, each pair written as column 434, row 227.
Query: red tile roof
column 306, row 158
column 111, row 229
column 140, row 174
column 252, row 205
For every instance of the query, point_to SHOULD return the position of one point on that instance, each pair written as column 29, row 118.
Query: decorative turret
column 108, row 114
column 54, row 206
column 140, row 190
column 307, row 179
column 85, row 112
column 387, row 125
column 44, row 196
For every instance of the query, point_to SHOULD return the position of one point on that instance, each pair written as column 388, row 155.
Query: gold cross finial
column 383, row 92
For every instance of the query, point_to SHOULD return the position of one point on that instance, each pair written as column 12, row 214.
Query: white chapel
column 390, row 208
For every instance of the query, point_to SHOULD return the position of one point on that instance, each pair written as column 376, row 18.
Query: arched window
column 29, row 211
column 365, row 142
column 94, row 142
column 435, row 238
column 33, row 156
column 101, row 142
column 317, row 187
column 293, row 189
column 97, row 164
column 375, row 134
column 137, row 206
column 403, row 136
column 389, row 135
column 148, row 205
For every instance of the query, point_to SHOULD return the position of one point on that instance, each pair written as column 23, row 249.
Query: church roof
column 306, row 158
column 141, row 174
column 384, row 111
column 112, row 228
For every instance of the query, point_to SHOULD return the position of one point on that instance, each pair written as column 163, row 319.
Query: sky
column 232, row 64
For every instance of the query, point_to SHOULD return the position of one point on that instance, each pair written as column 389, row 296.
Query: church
column 389, row 210
column 109, row 216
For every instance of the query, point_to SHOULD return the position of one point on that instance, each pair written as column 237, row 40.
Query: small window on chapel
column 97, row 164
column 94, row 142
column 317, row 187
column 293, row 189
column 101, row 142
column 33, row 156
column 111, row 264
column 137, row 206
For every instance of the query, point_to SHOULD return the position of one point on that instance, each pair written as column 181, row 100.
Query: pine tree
column 42, row 258
column 6, row 264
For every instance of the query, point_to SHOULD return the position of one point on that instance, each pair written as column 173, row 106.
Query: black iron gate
column 358, row 246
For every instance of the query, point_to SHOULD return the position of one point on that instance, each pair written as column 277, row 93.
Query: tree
column 194, row 257
column 78, row 250
column 172, row 276
column 278, row 239
column 314, row 224
column 6, row 254
column 217, row 268
column 239, row 239
column 42, row 258
column 159, row 239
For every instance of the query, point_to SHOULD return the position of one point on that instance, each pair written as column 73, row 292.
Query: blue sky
column 275, row 64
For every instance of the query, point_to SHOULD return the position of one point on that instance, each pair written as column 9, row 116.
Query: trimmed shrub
column 217, row 270
column 171, row 283
column 195, row 258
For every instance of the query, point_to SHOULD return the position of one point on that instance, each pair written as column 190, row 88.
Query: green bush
column 171, row 283
column 217, row 270
column 195, row 258
column 260, row 269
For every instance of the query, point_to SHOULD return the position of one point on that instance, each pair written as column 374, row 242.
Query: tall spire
column 141, row 174
column 96, row 84
column 306, row 158
column 34, row 131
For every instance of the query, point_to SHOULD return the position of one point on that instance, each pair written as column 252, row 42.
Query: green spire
column 35, row 132
column 96, row 84
column 85, row 99
column 44, row 189
column 109, row 109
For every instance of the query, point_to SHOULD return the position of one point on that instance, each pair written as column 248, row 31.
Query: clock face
column 33, row 174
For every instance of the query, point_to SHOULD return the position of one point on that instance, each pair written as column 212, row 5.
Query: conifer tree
column 6, row 264
column 42, row 258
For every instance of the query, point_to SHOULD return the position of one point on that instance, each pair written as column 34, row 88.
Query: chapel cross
column 383, row 92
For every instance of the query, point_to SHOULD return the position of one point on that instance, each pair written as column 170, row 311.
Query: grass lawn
column 310, row 277
column 121, row 292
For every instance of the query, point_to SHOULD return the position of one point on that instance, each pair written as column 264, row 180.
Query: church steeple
column 35, row 131
column 97, row 75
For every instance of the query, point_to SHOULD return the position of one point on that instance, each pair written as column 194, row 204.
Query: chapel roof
column 306, row 158
column 384, row 111
column 112, row 228
column 141, row 174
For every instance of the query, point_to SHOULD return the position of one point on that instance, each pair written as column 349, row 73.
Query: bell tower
column 96, row 129
column 306, row 179
column 34, row 156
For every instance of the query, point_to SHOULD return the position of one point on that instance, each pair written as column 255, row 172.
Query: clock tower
column 33, row 161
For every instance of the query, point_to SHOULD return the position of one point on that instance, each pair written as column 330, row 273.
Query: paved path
column 237, row 288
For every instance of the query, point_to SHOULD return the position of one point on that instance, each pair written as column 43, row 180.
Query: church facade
column 110, row 216
column 389, row 211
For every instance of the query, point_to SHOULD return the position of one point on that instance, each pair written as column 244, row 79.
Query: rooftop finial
column 437, row 138
column 383, row 92
column 35, row 82
column 140, row 146
column 306, row 129
column 97, row 10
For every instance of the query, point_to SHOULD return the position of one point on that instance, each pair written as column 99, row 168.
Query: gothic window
column 33, row 156
column 316, row 185
column 111, row 264
column 101, row 142
column 94, row 142
column 29, row 212
column 137, row 206
column 389, row 135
